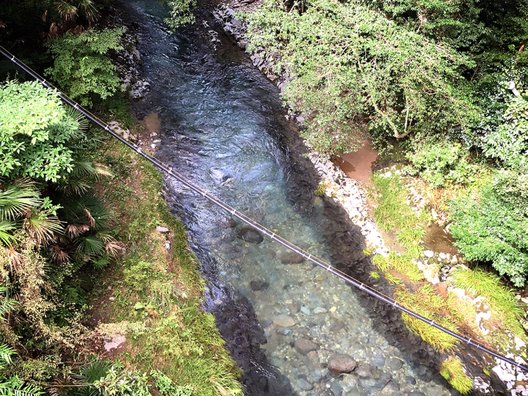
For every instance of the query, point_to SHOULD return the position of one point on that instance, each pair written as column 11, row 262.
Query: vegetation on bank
column 445, row 81
column 78, row 239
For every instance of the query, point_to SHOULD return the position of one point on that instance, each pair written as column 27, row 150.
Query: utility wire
column 249, row 221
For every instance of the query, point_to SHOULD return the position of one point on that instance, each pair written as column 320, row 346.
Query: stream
column 222, row 125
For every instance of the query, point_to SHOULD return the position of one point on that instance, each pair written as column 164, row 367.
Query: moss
column 161, row 290
column 453, row 371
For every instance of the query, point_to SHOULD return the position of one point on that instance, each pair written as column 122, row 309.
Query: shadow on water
column 222, row 125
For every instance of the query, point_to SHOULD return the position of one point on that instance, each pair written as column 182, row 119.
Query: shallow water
column 222, row 125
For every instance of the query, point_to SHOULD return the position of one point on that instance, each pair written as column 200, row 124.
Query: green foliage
column 441, row 161
column 350, row 65
column 13, row 385
column 81, row 64
column 491, row 226
column 35, row 132
column 508, row 142
column 121, row 382
column 453, row 371
column 180, row 13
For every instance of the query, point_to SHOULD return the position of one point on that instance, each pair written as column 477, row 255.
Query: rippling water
column 223, row 126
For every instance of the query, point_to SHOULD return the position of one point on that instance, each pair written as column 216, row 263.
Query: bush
column 441, row 161
column 491, row 226
column 81, row 65
column 35, row 130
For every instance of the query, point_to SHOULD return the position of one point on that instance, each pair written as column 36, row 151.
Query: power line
column 249, row 221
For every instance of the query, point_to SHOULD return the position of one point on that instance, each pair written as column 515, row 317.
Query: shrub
column 441, row 161
column 81, row 65
column 35, row 130
column 491, row 226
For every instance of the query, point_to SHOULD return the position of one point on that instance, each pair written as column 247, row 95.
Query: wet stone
column 250, row 235
column 336, row 389
column 410, row 380
column 339, row 364
column 266, row 323
column 415, row 393
column 304, row 346
column 257, row 285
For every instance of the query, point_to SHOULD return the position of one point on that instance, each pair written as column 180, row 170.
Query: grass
column 500, row 300
column 426, row 302
column 453, row 371
column 157, row 292
column 394, row 214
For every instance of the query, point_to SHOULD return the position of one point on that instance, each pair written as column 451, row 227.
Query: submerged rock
column 284, row 320
column 291, row 258
column 250, row 235
column 339, row 364
column 304, row 346
column 257, row 285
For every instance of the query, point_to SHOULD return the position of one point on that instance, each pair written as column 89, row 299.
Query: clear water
column 223, row 127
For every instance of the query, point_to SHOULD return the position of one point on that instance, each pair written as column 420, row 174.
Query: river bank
column 353, row 197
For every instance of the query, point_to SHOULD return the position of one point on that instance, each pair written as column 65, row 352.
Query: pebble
column 162, row 230
column 257, row 285
column 394, row 363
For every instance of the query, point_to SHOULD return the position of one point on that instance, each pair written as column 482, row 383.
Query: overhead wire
column 249, row 221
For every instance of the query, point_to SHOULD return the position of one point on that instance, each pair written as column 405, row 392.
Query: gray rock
column 304, row 384
column 257, row 285
column 339, row 364
column 415, row 393
column 250, row 235
column 410, row 380
column 336, row 389
column 304, row 346
column 291, row 258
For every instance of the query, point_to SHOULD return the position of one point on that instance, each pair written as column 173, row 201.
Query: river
column 222, row 125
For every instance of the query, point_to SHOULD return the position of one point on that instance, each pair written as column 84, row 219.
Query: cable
column 249, row 221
